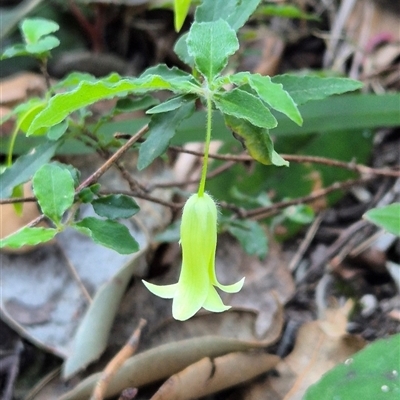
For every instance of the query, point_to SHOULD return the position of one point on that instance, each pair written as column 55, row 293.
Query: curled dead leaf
column 210, row 376
column 165, row 360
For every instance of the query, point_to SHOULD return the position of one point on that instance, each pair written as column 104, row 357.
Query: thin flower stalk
column 196, row 287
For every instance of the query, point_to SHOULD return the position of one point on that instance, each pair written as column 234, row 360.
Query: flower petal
column 213, row 302
column 164, row 291
column 233, row 288
column 199, row 230
column 191, row 291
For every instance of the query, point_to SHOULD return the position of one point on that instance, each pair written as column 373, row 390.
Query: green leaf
column 28, row 236
column 242, row 104
column 272, row 93
column 299, row 213
column 162, row 129
column 171, row 104
column 211, row 44
column 250, row 235
column 115, row 206
column 242, row 13
column 26, row 112
column 129, row 105
column 108, row 233
column 257, row 141
column 18, row 191
column 14, row 51
column 75, row 173
column 181, row 9
column 54, row 188
column 181, row 50
column 285, row 11
column 372, row 374
column 63, row 104
column 213, row 10
column 387, row 217
column 235, row 12
column 173, row 75
column 87, row 195
column 306, row 88
column 43, row 45
column 34, row 29
column 25, row 166
column 57, row 131
column 74, row 79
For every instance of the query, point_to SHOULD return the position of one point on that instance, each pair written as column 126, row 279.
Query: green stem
column 11, row 145
column 202, row 184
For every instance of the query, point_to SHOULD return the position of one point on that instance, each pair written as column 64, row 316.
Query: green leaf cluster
column 206, row 48
column 247, row 102
column 38, row 39
column 54, row 188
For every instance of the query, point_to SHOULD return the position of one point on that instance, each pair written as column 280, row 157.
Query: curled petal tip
column 164, row 291
column 233, row 288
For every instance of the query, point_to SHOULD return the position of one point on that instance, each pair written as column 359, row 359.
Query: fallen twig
column 113, row 366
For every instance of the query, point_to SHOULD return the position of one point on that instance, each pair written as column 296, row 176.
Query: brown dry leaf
column 210, row 376
column 172, row 350
column 266, row 280
column 17, row 88
column 320, row 345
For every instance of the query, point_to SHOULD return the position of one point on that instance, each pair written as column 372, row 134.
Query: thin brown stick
column 361, row 169
column 36, row 221
column 116, row 156
column 133, row 183
column 217, row 171
column 144, row 196
column 113, row 366
column 45, row 73
column 14, row 200
column 305, row 243
column 75, row 274
column 265, row 212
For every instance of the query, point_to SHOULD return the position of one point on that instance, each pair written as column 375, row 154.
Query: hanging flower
column 197, row 281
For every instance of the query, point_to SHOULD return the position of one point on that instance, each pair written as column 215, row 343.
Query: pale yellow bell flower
column 197, row 281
